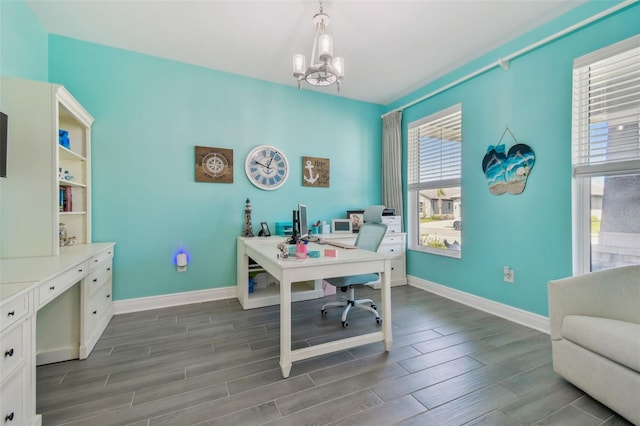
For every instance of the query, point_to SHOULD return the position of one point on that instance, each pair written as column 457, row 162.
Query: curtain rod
column 504, row 62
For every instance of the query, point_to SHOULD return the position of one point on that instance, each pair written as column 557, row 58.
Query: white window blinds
column 606, row 110
column 435, row 150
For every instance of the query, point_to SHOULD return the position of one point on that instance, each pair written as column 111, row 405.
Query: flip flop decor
column 508, row 171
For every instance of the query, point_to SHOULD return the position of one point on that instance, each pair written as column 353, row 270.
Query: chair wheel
column 323, row 312
column 345, row 324
column 379, row 321
column 374, row 307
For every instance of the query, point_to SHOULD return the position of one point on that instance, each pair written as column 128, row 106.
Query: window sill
column 438, row 252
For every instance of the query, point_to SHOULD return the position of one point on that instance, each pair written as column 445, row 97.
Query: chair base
column 351, row 302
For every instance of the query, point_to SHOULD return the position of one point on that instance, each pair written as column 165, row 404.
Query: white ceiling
column 391, row 48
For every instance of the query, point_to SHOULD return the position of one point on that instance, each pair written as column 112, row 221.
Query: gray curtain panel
column 392, row 161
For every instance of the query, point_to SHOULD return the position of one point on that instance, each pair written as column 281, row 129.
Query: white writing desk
column 29, row 285
column 349, row 262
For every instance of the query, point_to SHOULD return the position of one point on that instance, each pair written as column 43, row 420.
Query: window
column 606, row 157
column 434, row 171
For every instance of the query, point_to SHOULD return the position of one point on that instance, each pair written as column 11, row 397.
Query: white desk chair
column 369, row 238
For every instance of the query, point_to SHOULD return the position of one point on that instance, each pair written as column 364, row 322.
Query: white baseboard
column 528, row 319
column 57, row 355
column 174, row 299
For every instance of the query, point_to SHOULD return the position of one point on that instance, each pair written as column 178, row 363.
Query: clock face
column 267, row 167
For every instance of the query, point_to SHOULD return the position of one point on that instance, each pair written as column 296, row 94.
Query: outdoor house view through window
column 606, row 157
column 435, row 160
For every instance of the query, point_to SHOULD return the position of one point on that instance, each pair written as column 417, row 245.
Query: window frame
column 413, row 189
column 582, row 169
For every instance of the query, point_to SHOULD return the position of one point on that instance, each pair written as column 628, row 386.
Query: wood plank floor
column 215, row 364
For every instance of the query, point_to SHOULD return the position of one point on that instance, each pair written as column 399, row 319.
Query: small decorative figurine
column 62, row 233
column 248, row 231
column 283, row 247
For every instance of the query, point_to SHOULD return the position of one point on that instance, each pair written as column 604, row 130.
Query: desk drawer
column 13, row 311
column 99, row 305
column 57, row 286
column 12, row 401
column 99, row 276
column 12, row 350
column 100, row 257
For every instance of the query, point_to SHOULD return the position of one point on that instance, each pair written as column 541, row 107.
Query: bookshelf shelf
column 67, row 154
column 63, row 182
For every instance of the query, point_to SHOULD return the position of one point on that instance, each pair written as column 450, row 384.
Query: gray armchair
column 595, row 335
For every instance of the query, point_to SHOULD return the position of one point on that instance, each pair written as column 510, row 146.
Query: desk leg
column 386, row 305
column 285, row 326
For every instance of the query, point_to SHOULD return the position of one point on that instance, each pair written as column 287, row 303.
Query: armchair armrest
column 612, row 293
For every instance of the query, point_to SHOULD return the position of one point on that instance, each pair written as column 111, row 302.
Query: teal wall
column 23, row 42
column 530, row 232
column 151, row 113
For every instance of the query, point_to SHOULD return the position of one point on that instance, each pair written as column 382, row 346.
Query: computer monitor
column 303, row 225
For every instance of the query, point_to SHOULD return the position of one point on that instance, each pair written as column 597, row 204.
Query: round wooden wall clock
column 266, row 167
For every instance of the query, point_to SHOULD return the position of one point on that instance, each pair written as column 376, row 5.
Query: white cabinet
column 97, row 305
column 31, row 193
column 16, row 362
column 32, row 332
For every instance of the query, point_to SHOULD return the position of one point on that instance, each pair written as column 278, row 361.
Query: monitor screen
column 302, row 221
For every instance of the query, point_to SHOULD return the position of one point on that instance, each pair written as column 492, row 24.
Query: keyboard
column 340, row 245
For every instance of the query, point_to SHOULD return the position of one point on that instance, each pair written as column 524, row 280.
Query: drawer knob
column 108, row 269
column 95, row 280
column 53, row 287
column 80, row 270
column 95, row 312
column 9, row 353
column 11, row 313
column 96, row 260
column 9, row 417
column 108, row 296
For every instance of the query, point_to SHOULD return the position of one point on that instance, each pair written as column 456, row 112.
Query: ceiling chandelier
column 328, row 70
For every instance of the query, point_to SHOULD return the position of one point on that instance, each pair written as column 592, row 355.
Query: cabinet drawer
column 392, row 250
column 394, row 229
column 11, row 350
column 393, row 239
column 57, row 286
column 100, row 257
column 13, row 311
column 397, row 268
column 12, row 401
column 99, row 305
column 99, row 276
column 392, row 220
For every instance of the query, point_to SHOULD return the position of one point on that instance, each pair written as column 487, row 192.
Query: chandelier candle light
column 328, row 70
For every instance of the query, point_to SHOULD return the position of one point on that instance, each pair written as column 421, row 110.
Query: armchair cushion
column 613, row 339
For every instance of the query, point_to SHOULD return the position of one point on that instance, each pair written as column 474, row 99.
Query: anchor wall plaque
column 315, row 172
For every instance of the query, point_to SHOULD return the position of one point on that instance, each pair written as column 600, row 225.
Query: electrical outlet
column 507, row 274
